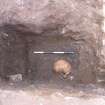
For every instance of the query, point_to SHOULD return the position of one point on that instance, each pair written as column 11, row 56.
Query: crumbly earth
column 50, row 94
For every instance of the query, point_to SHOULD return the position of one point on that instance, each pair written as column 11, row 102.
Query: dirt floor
column 41, row 93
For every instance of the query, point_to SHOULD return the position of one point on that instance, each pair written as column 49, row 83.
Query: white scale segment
column 42, row 52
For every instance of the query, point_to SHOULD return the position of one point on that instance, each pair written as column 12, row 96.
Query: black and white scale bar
column 42, row 52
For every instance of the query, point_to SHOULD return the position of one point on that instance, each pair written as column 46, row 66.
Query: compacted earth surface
column 50, row 93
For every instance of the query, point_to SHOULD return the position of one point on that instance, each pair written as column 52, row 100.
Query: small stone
column 15, row 78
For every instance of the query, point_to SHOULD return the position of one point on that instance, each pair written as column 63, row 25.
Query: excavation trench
column 33, row 56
